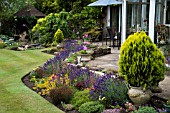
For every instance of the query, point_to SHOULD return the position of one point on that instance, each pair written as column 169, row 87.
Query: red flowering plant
column 129, row 107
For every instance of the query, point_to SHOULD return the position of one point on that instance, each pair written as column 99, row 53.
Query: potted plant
column 142, row 65
column 167, row 106
column 85, row 54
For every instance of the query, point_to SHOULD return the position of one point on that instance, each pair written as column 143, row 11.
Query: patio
column 110, row 62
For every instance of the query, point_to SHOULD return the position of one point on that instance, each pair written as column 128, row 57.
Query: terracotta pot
column 138, row 96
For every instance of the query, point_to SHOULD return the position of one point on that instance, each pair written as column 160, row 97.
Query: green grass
column 15, row 97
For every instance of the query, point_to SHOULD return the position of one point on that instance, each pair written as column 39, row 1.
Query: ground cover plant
column 91, row 107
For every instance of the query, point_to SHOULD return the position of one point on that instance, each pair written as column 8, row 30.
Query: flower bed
column 75, row 88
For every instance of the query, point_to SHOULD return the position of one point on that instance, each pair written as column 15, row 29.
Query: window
column 138, row 14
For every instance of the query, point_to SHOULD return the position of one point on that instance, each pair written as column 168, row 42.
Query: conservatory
column 129, row 16
column 143, row 15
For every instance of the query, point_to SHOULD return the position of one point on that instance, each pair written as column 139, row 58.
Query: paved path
column 110, row 62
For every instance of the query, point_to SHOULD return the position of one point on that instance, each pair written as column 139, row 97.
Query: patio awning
column 105, row 3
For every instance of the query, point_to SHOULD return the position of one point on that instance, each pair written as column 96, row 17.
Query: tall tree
column 55, row 6
column 47, row 6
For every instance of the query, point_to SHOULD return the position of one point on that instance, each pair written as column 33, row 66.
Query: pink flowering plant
column 86, row 37
column 84, row 51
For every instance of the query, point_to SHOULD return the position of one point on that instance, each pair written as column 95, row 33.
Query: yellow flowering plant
column 44, row 85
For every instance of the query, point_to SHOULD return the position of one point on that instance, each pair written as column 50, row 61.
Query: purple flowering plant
column 112, row 89
column 82, row 78
column 54, row 65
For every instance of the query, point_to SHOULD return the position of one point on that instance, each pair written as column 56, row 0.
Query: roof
column 29, row 11
column 105, row 3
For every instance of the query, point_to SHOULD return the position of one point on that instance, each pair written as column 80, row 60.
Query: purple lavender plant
column 82, row 77
column 54, row 65
column 111, row 88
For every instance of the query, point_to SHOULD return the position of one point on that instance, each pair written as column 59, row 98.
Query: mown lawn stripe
column 15, row 97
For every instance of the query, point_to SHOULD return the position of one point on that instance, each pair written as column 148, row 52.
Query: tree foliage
column 80, row 17
column 55, row 6
column 46, row 27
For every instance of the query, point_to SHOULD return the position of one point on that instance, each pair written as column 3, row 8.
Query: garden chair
column 116, row 38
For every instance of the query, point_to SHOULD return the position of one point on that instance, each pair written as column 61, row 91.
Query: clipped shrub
column 145, row 109
column 2, row 45
column 110, row 91
column 14, row 46
column 38, row 72
column 80, row 97
column 4, row 38
column 58, row 36
column 62, row 93
column 141, row 62
column 91, row 107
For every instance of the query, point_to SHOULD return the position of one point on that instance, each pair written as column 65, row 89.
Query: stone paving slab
column 107, row 62
column 110, row 61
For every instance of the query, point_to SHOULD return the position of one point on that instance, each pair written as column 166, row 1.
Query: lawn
column 15, row 97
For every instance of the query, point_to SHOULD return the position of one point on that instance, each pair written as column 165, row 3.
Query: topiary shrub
column 80, row 97
column 141, row 62
column 62, row 93
column 145, row 109
column 58, row 36
column 91, row 107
